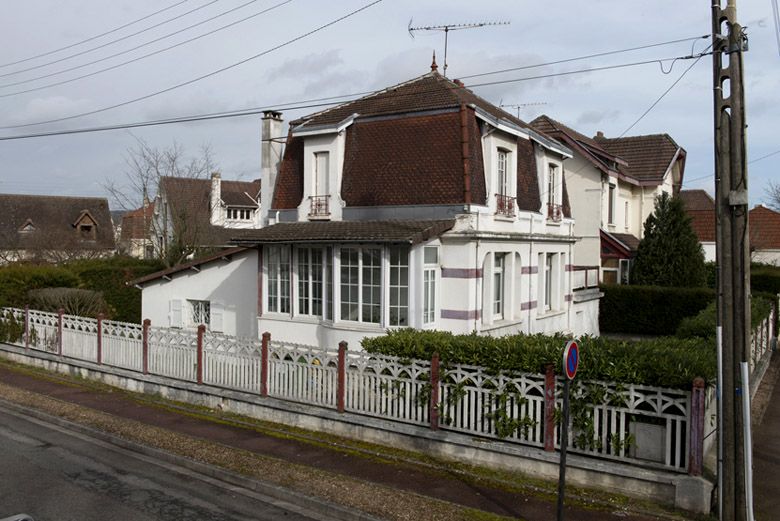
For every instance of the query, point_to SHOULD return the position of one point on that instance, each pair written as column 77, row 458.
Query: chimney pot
column 458, row 83
column 599, row 133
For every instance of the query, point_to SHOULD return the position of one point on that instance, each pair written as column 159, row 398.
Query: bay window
column 399, row 286
column 310, row 276
column 361, row 284
column 279, row 279
column 430, row 268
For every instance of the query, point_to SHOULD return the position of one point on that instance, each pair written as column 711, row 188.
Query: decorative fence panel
column 303, row 373
column 123, row 345
column 230, row 362
column 388, row 387
column 173, row 353
column 760, row 342
column 79, row 337
column 44, row 331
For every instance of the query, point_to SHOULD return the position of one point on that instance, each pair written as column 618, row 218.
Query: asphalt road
column 56, row 475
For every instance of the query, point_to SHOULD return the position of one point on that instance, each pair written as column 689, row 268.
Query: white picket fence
column 471, row 400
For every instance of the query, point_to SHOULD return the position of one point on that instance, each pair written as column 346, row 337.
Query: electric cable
column 60, row 49
column 139, row 58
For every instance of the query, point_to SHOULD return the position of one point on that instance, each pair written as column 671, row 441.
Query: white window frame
column 311, row 283
column 499, row 279
column 200, row 312
column 239, row 214
column 279, row 300
column 626, row 220
column 361, row 284
column 611, row 203
column 401, row 305
column 430, row 284
column 503, row 187
column 552, row 184
column 321, row 180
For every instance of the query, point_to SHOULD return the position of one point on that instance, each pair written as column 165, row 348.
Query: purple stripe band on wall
column 461, row 273
column 528, row 305
column 569, row 297
column 569, row 267
column 461, row 314
column 529, row 269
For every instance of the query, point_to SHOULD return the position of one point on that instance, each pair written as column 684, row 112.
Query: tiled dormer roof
column 50, row 222
column 648, row 157
column 428, row 92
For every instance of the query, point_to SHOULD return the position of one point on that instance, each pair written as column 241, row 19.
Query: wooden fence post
column 201, row 330
column 434, row 405
column 549, row 408
column 26, row 326
column 264, row 364
column 342, row 377
column 696, row 453
column 100, row 339
column 60, row 312
column 145, row 344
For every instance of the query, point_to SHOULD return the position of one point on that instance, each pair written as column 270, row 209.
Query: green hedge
column 649, row 310
column 703, row 324
column 17, row 279
column 666, row 362
column 765, row 279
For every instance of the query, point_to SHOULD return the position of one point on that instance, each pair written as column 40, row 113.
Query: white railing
column 760, row 342
column 122, row 344
column 302, row 373
column 79, row 337
column 44, row 331
column 230, row 362
column 173, row 353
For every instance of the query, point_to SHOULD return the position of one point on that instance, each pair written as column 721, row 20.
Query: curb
column 285, row 496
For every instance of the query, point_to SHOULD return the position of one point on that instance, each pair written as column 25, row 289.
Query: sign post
column 571, row 361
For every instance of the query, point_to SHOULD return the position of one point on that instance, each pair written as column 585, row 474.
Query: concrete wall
column 229, row 285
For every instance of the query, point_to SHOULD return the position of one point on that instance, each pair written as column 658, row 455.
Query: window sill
column 500, row 324
column 505, row 218
column 319, row 217
column 551, row 313
column 553, row 222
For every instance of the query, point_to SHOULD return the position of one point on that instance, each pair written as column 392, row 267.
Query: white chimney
column 217, row 218
column 270, row 158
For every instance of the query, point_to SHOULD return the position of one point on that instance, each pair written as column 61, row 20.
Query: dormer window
column 86, row 226
column 505, row 203
column 239, row 214
column 87, row 231
column 320, row 197
column 554, row 182
column 27, row 228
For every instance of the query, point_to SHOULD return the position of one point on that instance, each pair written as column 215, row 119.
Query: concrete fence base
column 690, row 493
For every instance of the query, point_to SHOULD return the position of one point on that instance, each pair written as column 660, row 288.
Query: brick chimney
column 599, row 134
column 270, row 158
column 215, row 201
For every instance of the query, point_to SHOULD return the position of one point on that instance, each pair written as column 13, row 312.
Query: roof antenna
column 518, row 106
column 447, row 28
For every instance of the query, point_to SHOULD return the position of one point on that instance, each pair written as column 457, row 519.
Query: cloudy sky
column 48, row 71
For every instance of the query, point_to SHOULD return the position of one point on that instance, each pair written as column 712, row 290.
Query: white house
column 421, row 206
column 616, row 182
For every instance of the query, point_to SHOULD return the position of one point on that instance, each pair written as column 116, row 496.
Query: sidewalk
column 766, row 446
column 380, row 481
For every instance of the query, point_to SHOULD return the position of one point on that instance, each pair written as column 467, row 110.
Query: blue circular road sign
column 571, row 359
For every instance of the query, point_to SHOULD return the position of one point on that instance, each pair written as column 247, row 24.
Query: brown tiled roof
column 551, row 127
column 628, row 240
column 133, row 223
column 700, row 207
column 764, row 226
column 53, row 221
column 648, row 157
column 389, row 231
column 431, row 91
column 222, row 254
column 411, row 160
column 289, row 183
column 528, row 197
column 240, row 193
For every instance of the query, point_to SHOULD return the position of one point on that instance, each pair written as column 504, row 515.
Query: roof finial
column 434, row 67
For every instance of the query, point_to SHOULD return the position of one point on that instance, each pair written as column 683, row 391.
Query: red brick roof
column 133, row 223
column 701, row 209
column 648, row 157
column 697, row 200
column 764, row 226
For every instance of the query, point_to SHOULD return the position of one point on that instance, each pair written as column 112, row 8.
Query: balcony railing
column 505, row 205
column 320, row 206
column 554, row 212
column 585, row 277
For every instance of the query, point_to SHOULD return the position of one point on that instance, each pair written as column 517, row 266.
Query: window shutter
column 175, row 315
column 217, row 313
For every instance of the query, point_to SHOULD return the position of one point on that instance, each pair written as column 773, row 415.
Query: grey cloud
column 315, row 64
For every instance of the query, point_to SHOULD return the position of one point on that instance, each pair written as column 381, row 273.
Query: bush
column 79, row 302
column 703, row 325
column 11, row 331
column 16, row 280
column 649, row 310
column 666, row 362
column 765, row 278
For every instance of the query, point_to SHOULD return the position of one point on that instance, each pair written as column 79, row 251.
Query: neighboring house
column 136, row 232
column 616, row 182
column 193, row 213
column 422, row 205
column 54, row 229
column 763, row 223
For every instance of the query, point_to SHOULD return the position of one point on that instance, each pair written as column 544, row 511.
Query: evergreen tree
column 670, row 253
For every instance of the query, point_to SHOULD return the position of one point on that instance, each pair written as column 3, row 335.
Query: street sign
column 571, row 359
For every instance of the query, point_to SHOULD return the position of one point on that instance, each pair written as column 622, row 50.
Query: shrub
column 649, row 310
column 703, row 325
column 667, row 362
column 16, row 280
column 79, row 302
column 765, row 278
column 11, row 330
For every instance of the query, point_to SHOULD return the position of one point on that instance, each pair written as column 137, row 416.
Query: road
column 55, row 475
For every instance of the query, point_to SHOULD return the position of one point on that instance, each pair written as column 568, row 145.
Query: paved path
column 766, row 447
column 451, row 487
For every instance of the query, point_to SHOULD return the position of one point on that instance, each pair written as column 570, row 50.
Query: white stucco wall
column 767, row 257
column 230, row 285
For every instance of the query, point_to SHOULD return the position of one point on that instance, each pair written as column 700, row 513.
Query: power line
column 204, row 76
column 290, row 105
column 128, row 24
column 756, row 160
column 656, row 102
column 159, row 51
column 92, row 49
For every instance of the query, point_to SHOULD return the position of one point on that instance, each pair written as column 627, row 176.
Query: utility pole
column 733, row 255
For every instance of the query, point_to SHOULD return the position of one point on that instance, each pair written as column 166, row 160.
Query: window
column 625, row 215
column 239, row 214
column 548, row 281
column 279, row 279
column 310, row 276
column 499, row 265
column 503, row 178
column 611, row 205
column 624, row 271
column 430, row 268
column 321, row 160
column 361, row 284
column 200, row 312
column 552, row 184
column 399, row 286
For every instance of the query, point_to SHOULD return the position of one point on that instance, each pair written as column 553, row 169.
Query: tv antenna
column 450, row 27
column 518, row 106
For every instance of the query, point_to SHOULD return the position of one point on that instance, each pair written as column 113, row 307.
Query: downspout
column 466, row 156
column 477, row 286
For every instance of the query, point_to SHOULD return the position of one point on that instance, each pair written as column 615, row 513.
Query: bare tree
column 773, row 195
column 147, row 165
